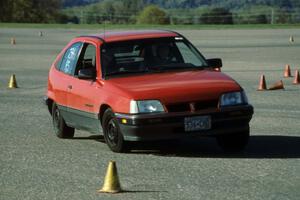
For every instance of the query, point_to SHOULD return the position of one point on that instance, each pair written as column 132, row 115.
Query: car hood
column 172, row 87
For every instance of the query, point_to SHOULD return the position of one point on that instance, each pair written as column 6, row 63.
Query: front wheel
column 112, row 133
column 60, row 127
column 234, row 142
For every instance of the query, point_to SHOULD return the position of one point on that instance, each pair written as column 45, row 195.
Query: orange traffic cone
column 262, row 83
column 12, row 41
column 277, row 86
column 297, row 79
column 287, row 71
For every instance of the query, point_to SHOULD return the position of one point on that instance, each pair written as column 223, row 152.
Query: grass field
column 34, row 164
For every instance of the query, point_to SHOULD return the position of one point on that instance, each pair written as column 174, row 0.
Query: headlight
column 233, row 98
column 147, row 106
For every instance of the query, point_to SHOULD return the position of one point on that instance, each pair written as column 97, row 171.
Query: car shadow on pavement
column 142, row 191
column 98, row 138
column 259, row 147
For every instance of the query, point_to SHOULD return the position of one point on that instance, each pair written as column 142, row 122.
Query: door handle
column 70, row 87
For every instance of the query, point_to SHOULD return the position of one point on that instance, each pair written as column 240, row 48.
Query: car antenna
column 104, row 29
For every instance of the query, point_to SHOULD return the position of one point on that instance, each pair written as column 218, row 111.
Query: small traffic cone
column 291, row 39
column 262, row 83
column 13, row 41
column 12, row 82
column 111, row 181
column 297, row 79
column 287, row 71
column 277, row 86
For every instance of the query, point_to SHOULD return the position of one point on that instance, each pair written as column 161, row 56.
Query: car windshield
column 149, row 56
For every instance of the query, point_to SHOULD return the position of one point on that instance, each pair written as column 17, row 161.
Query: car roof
column 113, row 36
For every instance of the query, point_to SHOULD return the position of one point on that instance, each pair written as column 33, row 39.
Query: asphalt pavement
column 35, row 164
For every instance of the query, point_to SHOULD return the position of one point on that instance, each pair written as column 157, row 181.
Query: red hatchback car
column 145, row 85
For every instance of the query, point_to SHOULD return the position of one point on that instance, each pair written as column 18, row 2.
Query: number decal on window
column 70, row 58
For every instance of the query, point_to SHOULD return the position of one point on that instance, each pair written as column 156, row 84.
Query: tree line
column 137, row 11
column 187, row 4
column 31, row 11
column 149, row 11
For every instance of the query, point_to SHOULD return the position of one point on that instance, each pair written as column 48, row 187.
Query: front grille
column 206, row 104
column 192, row 106
column 179, row 107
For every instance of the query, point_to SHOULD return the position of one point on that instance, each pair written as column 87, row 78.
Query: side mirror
column 214, row 62
column 89, row 73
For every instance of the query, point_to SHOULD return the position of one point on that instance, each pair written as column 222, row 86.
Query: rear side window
column 70, row 58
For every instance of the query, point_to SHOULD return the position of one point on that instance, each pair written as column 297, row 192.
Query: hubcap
column 112, row 132
column 56, row 116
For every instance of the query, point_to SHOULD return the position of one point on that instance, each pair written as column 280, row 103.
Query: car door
column 81, row 99
column 62, row 79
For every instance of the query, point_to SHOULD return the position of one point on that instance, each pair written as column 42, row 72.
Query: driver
column 163, row 52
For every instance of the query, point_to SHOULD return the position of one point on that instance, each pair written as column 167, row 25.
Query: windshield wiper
column 175, row 66
column 159, row 68
column 125, row 72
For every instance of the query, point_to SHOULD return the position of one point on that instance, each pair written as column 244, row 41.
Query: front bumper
column 164, row 126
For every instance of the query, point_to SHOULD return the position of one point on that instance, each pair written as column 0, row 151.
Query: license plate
column 197, row 123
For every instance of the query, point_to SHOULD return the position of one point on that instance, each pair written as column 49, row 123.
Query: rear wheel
column 112, row 133
column 60, row 128
column 234, row 142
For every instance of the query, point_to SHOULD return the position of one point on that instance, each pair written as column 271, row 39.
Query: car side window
column 58, row 63
column 70, row 58
column 87, row 58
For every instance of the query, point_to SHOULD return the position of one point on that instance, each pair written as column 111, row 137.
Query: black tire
column 112, row 133
column 234, row 142
column 60, row 128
